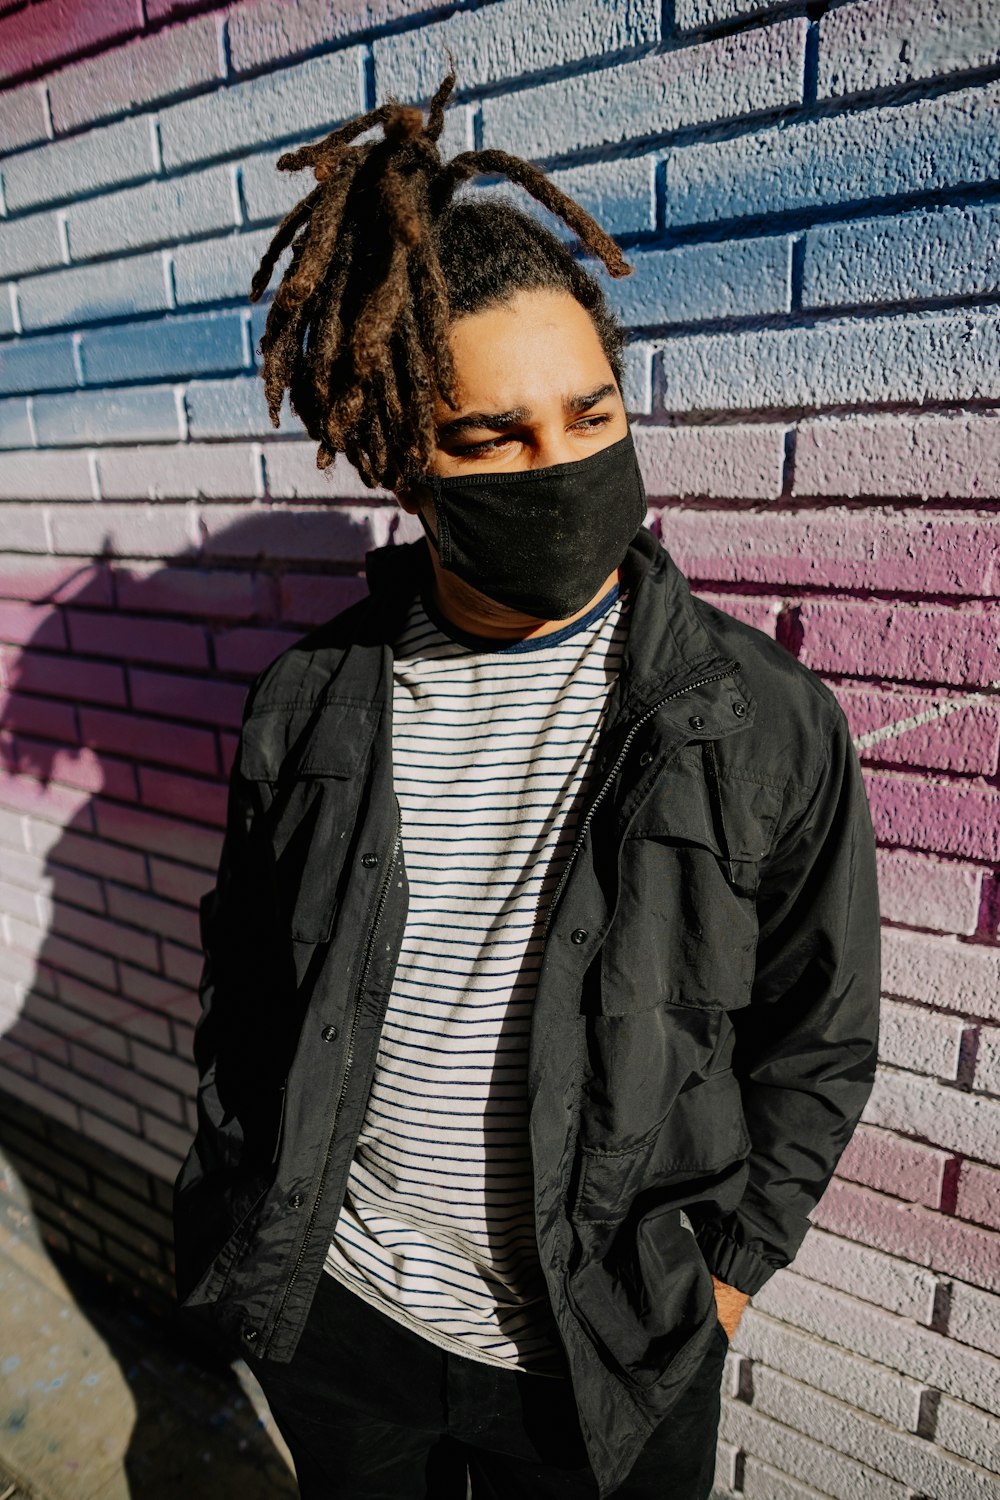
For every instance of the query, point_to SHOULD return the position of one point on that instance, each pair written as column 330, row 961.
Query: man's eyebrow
column 497, row 421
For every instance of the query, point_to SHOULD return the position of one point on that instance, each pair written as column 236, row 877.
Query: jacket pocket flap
column 681, row 809
column 323, row 739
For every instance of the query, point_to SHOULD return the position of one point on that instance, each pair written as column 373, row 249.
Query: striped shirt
column 491, row 744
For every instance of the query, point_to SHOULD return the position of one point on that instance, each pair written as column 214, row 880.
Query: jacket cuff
column 733, row 1263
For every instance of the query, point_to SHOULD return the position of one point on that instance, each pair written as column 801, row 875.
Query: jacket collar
column 667, row 640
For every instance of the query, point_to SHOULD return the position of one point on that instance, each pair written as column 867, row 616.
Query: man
column 541, row 987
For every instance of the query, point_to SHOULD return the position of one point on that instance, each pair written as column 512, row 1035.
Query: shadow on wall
column 118, row 728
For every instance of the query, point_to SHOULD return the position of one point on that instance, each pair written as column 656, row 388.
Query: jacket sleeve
column 807, row 1043
column 233, row 920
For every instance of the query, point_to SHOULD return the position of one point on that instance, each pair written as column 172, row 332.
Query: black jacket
column 705, row 1028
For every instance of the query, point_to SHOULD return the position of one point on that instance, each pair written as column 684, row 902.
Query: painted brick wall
column 811, row 196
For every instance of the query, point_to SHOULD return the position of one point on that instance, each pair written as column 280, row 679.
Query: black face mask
column 540, row 540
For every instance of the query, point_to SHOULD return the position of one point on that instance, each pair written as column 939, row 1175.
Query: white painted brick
column 886, row 1280
column 314, row 95
column 898, row 1343
column 740, row 461
column 692, row 15
column 987, row 1076
column 800, row 1457
column 819, row 1363
column 509, row 40
column 950, row 1117
column 898, row 1455
column 918, row 891
column 157, row 213
column 30, row 475
column 22, row 117
column 292, row 475
column 971, row 1433
column 918, row 967
column 182, row 471
column 86, row 294
column 974, row 1316
column 233, row 408
column 29, row 244
column 8, row 303
column 716, row 80
column 100, row 158
column 23, row 528
column 344, row 532
column 762, row 1482
column 134, row 530
column 912, row 1037
column 637, row 378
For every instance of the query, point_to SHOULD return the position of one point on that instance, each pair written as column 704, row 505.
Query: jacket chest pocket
column 308, row 764
column 685, row 927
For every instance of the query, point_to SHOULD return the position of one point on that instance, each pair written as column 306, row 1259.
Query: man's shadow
column 118, row 727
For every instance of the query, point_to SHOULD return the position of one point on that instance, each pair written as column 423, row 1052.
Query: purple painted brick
column 142, row 72
column 37, row 36
column 946, row 456
column 942, row 730
column 919, row 642
column 889, row 1162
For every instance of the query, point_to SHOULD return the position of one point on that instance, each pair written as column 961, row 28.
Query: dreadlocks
column 381, row 262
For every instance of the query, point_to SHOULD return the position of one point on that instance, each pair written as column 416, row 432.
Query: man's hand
column 730, row 1304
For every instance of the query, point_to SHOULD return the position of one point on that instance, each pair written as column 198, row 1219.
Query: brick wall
column 809, row 194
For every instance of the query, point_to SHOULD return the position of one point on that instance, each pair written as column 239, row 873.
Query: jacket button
column 369, row 859
column 645, row 757
column 328, row 1033
column 579, row 936
column 739, row 709
column 696, row 721
column 295, row 1201
column 250, row 1334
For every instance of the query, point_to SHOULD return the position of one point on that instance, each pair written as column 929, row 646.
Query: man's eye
column 588, row 424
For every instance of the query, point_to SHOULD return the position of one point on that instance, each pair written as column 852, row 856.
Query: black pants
column 373, row 1411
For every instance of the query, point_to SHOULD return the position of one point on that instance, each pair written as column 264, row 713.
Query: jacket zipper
column 358, row 993
column 686, row 687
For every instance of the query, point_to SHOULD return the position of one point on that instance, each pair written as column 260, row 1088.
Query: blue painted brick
column 166, row 347
column 157, row 213
column 22, row 117
column 39, row 364
column 692, row 15
column 64, row 169
column 620, row 195
column 140, row 414
column 918, row 358
column 509, row 40
column 948, row 252
column 881, row 44
column 86, row 294
column 8, row 323
column 313, row 95
column 716, row 80
column 30, row 244
column 905, row 148
column 738, row 278
column 15, row 424
column 233, row 408
column 220, row 269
